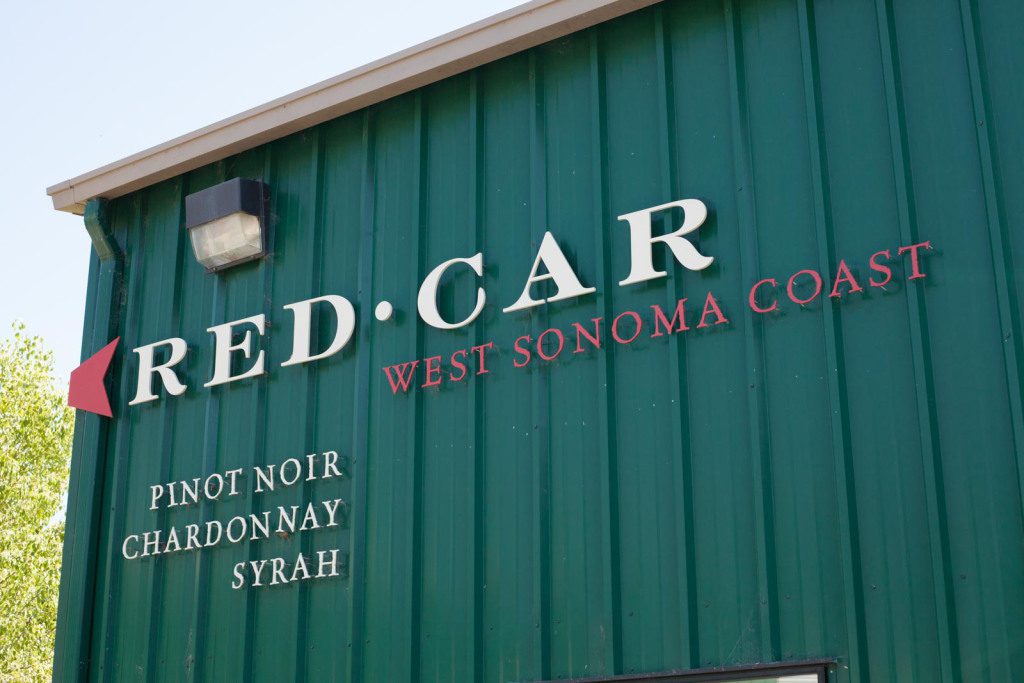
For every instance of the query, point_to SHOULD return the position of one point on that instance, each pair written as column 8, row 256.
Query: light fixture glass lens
column 227, row 240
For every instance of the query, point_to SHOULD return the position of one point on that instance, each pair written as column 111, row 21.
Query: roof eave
column 503, row 34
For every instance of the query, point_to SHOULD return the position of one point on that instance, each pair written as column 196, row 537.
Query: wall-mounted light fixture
column 227, row 223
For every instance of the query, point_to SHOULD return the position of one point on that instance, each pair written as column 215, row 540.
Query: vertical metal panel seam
column 541, row 378
column 211, row 433
column 918, row 320
column 119, row 440
column 477, row 332
column 606, row 366
column 259, row 453
column 363, row 388
column 166, row 455
column 92, row 658
column 420, row 200
column 1002, row 259
column 312, row 390
column 842, row 450
column 676, row 344
column 756, row 402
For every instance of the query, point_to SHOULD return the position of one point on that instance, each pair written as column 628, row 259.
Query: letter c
column 426, row 300
column 753, row 297
column 124, row 547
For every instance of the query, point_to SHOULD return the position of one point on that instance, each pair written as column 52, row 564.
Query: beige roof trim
column 503, row 34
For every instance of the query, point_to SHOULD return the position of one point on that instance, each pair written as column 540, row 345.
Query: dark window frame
column 732, row 674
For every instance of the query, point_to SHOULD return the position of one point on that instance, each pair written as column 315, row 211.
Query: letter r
column 174, row 386
column 640, row 240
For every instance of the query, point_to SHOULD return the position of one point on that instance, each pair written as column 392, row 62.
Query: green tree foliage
column 35, row 450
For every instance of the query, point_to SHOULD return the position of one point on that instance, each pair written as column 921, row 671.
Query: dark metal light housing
column 227, row 223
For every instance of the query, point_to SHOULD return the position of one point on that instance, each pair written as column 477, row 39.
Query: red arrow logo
column 87, row 391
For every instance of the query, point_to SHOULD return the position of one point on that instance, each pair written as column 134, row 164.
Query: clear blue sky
column 87, row 83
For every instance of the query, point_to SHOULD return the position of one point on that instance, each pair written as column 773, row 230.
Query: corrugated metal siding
column 843, row 480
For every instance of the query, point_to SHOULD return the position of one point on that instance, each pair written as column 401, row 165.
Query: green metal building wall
column 842, row 480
